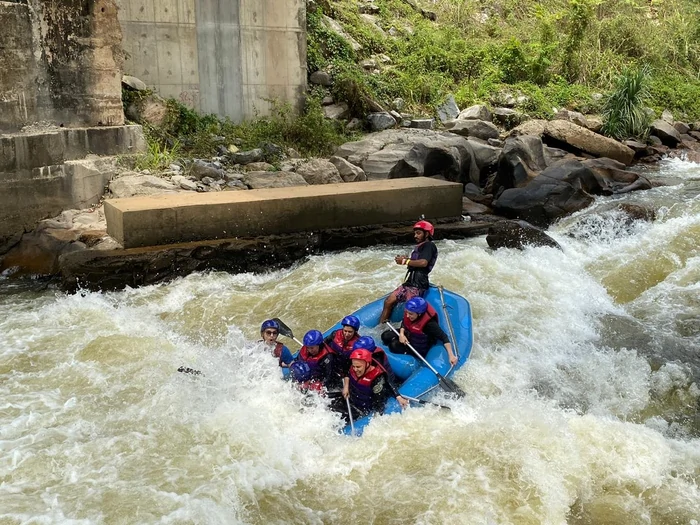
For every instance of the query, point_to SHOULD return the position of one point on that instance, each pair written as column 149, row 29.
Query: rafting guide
column 418, row 266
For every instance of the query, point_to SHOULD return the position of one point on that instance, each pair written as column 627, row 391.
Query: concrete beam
column 166, row 219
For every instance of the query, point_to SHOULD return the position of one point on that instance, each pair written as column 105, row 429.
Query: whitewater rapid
column 581, row 406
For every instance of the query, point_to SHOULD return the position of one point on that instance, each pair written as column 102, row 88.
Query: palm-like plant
column 624, row 115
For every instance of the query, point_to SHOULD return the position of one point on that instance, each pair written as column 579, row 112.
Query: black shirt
column 418, row 277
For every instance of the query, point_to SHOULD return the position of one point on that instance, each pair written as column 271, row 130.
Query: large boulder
column 319, row 171
column 518, row 235
column 614, row 178
column 448, row 110
column 348, row 171
column 561, row 189
column 486, row 156
column 668, row 135
column 453, row 160
column 521, row 160
column 473, row 128
column 478, row 112
column 582, row 139
column 256, row 180
column 535, row 127
column 151, row 109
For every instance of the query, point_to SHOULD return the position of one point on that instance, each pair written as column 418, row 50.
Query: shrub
column 623, row 110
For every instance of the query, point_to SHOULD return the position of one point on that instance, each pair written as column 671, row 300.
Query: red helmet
column 362, row 354
column 425, row 226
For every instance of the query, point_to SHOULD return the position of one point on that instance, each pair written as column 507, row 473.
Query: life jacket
column 314, row 362
column 277, row 351
column 414, row 330
column 361, row 388
column 340, row 346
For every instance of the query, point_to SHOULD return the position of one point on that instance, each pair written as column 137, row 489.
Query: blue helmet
column 300, row 371
column 351, row 321
column 365, row 342
column 417, row 305
column 270, row 323
column 313, row 338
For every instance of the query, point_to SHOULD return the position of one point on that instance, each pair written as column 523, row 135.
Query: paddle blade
column 451, row 386
column 284, row 329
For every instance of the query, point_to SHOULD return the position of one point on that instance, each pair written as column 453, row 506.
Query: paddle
column 423, row 402
column 352, row 423
column 286, row 331
column 447, row 384
column 449, row 323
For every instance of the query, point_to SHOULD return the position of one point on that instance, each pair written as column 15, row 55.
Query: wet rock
column 637, row 212
column 319, row 171
column 517, row 235
column 469, row 207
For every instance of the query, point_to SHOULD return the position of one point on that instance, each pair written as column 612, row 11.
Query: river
column 581, row 407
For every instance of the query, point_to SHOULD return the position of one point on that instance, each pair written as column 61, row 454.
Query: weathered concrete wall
column 61, row 62
column 41, row 174
column 165, row 219
column 228, row 57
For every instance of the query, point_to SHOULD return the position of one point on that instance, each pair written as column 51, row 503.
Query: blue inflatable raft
column 418, row 381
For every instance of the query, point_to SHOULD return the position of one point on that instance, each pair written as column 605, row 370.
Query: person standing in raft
column 366, row 386
column 420, row 329
column 320, row 363
column 341, row 341
column 269, row 331
column 418, row 266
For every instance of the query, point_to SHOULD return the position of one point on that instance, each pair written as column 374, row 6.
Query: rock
column 293, row 154
column 473, row 128
column 496, row 143
column 561, row 189
column 321, row 78
column 398, row 104
column 585, row 140
column 272, row 151
column 369, row 64
column 478, row 112
column 667, row 116
column 134, row 83
column 380, row 121
column 327, row 100
column 258, row 166
column 681, row 127
column 612, row 175
column 518, row 235
column 521, row 160
column 449, row 110
column 151, row 109
column 594, row 123
column 277, row 179
column 637, row 212
column 184, row 183
column 354, row 124
column 348, row 171
column 506, row 117
column 319, row 171
column 668, row 135
column 338, row 30
column 572, row 116
column 694, row 134
column 422, row 123
column 246, row 157
column 368, row 8
column 37, row 252
column 397, row 116
column 531, row 127
column 373, row 23
column 202, row 168
column 136, row 184
column 655, row 141
column 485, row 156
column 450, row 158
column 474, row 194
column 469, row 207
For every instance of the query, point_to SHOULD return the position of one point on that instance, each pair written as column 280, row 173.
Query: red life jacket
column 313, row 361
column 277, row 351
column 340, row 346
column 414, row 330
column 361, row 388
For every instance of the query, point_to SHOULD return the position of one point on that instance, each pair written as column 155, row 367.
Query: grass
column 624, row 110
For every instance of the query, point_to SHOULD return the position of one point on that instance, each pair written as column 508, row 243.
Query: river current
column 581, row 407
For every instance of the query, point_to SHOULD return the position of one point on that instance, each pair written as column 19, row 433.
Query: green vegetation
column 548, row 53
column 623, row 112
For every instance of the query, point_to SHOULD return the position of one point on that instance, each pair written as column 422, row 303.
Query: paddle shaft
column 423, row 402
column 352, row 422
column 449, row 385
column 286, row 331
